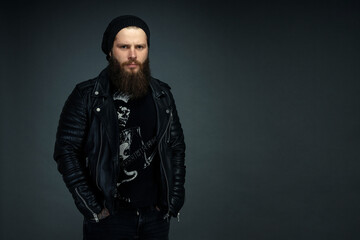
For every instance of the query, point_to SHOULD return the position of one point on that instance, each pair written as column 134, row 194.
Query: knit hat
column 119, row 23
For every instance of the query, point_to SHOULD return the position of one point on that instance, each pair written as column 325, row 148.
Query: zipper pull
column 167, row 215
column 178, row 217
column 96, row 218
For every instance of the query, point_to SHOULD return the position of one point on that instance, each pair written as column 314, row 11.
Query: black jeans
column 147, row 223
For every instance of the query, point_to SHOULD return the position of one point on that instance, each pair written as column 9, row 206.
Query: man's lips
column 132, row 65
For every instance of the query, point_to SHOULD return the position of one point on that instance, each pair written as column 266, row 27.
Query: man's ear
column 110, row 54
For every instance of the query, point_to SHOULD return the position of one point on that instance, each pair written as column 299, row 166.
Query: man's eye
column 140, row 47
column 123, row 46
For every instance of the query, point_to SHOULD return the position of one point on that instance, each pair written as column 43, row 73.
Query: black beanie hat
column 116, row 25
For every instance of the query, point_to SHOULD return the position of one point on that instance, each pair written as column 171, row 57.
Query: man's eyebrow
column 129, row 44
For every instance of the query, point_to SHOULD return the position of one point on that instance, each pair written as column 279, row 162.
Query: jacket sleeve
column 68, row 154
column 177, row 145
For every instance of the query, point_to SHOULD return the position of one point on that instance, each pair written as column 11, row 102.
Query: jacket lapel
column 104, row 109
column 162, row 107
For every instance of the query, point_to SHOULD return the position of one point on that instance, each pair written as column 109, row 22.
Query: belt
column 121, row 206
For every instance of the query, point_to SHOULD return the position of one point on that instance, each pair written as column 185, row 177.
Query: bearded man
column 119, row 144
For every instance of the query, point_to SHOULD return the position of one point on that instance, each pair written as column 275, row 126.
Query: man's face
column 130, row 48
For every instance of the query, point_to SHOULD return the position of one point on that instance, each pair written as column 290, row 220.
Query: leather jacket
column 87, row 143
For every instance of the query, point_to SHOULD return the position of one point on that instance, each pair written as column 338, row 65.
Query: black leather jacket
column 87, row 143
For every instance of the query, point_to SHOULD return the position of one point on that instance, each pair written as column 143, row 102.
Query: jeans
column 147, row 223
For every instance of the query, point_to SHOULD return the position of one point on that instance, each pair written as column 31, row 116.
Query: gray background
column 268, row 95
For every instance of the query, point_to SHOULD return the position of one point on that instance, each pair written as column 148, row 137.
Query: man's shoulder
column 99, row 82
column 160, row 83
column 87, row 86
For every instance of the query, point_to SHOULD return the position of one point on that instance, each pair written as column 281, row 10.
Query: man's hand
column 103, row 214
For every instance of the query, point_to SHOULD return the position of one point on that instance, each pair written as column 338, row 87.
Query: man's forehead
column 130, row 34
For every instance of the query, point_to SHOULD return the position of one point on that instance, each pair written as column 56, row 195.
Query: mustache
column 131, row 62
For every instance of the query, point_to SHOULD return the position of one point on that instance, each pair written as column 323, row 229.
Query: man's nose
column 132, row 53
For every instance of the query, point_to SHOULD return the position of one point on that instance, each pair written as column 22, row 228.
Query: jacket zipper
column 169, row 133
column 162, row 165
column 116, row 164
column 92, row 212
column 168, row 140
column 98, row 160
column 116, row 175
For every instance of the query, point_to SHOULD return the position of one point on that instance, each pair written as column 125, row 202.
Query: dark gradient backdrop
column 268, row 94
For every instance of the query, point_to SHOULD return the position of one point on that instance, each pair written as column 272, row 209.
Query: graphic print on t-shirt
column 129, row 139
column 138, row 162
column 122, row 111
column 133, row 152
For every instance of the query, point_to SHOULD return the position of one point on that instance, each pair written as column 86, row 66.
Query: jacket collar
column 156, row 88
column 102, row 86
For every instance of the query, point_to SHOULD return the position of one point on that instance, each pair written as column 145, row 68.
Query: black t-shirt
column 139, row 162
